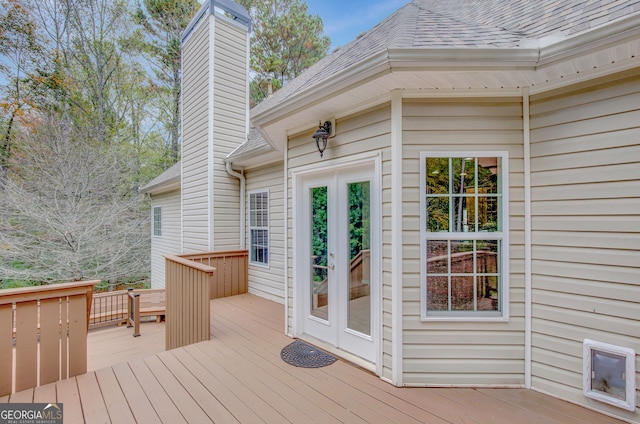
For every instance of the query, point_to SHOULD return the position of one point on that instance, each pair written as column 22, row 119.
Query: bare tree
column 73, row 211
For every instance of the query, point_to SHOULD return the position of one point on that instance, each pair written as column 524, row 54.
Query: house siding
column 195, row 140
column 462, row 353
column 268, row 281
column 585, row 172
column 368, row 131
column 214, row 124
column 169, row 242
column 229, row 128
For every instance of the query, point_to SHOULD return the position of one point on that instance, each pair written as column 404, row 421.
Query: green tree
column 97, row 66
column 20, row 49
column 285, row 41
column 162, row 22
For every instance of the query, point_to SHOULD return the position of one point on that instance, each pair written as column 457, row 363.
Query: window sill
column 477, row 318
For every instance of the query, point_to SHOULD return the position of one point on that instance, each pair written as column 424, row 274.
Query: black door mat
column 301, row 354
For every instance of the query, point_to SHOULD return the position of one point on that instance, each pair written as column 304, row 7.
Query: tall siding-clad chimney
column 214, row 122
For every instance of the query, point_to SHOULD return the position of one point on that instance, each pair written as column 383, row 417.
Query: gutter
column 243, row 183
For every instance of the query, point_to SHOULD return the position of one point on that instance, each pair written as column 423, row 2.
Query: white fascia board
column 257, row 159
column 163, row 187
column 399, row 60
column 374, row 66
column 463, row 59
column 591, row 41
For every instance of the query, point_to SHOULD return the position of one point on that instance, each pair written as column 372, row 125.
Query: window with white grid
column 464, row 235
column 259, row 227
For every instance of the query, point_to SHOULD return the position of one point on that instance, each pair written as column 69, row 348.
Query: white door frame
column 374, row 161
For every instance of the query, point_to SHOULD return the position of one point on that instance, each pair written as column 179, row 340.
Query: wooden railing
column 187, row 285
column 43, row 334
column 231, row 277
column 360, row 275
column 114, row 308
column 359, row 280
column 108, row 308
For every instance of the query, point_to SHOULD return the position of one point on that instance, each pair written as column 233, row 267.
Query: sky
column 345, row 19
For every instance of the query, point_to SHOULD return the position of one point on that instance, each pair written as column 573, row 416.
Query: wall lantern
column 321, row 136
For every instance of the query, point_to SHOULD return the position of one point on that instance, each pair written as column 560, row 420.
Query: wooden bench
column 144, row 303
column 152, row 303
column 113, row 307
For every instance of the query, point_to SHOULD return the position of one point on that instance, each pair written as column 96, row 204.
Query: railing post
column 187, row 301
column 133, row 312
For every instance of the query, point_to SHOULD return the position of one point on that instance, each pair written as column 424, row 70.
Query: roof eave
column 256, row 158
column 387, row 61
column 615, row 32
column 162, row 187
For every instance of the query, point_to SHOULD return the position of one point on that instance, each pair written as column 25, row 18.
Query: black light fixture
column 321, row 135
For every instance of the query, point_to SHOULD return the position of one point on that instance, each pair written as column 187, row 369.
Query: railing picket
column 77, row 335
column 50, row 336
column 26, row 345
column 64, row 341
column 6, row 349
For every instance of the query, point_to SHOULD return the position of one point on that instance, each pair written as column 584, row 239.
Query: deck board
column 238, row 376
column 210, row 381
column 160, row 401
column 138, row 402
column 114, row 398
column 180, row 396
column 93, row 407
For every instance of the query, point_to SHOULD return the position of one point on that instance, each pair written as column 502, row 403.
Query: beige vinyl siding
column 268, row 282
column 468, row 352
column 229, row 128
column 169, row 242
column 195, row 140
column 368, row 131
column 586, row 231
column 214, row 124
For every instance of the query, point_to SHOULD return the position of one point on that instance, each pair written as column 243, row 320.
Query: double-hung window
column 157, row 221
column 464, row 243
column 259, row 227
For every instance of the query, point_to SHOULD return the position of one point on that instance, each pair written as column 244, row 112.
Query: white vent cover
column 609, row 374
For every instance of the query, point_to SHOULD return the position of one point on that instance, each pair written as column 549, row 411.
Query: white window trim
column 267, row 228
column 153, row 221
column 504, row 271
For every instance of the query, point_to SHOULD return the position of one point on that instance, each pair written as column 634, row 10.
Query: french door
column 335, row 243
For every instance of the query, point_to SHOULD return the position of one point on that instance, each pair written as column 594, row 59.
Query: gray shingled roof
column 255, row 145
column 462, row 24
column 170, row 176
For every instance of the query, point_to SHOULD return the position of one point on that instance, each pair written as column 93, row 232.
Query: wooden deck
column 238, row 377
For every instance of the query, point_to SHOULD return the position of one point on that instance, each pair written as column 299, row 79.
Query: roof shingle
column 462, row 24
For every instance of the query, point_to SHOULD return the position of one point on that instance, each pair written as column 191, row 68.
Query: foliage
column 359, row 221
column 89, row 111
column 319, row 225
column 21, row 50
column 286, row 40
column 162, row 23
column 72, row 213
column 359, row 218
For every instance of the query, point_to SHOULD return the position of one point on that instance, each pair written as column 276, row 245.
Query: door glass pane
column 359, row 270
column 319, row 253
